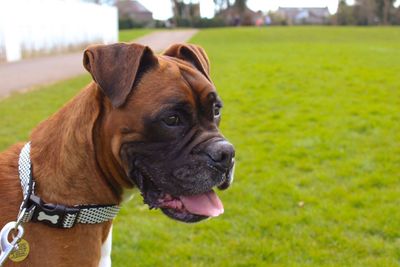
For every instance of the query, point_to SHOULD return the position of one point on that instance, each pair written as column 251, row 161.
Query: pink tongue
column 207, row 204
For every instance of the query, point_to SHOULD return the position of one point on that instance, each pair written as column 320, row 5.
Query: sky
column 162, row 8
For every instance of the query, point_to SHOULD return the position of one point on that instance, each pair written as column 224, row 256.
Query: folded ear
column 116, row 68
column 193, row 54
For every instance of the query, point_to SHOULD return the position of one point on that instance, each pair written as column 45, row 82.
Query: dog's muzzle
column 222, row 155
column 185, row 191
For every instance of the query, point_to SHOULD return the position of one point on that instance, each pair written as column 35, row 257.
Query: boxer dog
column 146, row 121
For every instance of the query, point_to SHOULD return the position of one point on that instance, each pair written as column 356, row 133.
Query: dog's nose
column 221, row 153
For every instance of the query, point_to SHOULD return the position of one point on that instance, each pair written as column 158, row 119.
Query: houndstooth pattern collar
column 35, row 209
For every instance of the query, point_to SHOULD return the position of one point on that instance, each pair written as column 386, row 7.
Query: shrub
column 129, row 24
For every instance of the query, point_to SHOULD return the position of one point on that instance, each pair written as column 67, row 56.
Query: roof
column 235, row 10
column 313, row 11
column 131, row 6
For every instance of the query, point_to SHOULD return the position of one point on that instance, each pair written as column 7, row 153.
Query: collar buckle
column 54, row 215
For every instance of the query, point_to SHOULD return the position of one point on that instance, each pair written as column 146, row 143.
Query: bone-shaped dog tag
column 51, row 218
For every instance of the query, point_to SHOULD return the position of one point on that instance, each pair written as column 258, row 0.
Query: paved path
column 22, row 75
column 158, row 41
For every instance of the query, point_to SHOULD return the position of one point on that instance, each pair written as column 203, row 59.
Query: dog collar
column 34, row 209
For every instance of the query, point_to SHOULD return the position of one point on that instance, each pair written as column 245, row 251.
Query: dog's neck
column 65, row 165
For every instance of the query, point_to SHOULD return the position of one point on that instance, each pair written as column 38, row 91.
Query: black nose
column 221, row 153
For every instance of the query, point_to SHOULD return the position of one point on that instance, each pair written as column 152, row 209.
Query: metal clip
column 20, row 218
column 7, row 247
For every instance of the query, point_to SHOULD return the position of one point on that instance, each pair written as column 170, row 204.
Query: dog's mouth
column 185, row 208
column 192, row 208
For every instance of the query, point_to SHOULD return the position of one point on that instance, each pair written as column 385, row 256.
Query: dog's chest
column 105, row 260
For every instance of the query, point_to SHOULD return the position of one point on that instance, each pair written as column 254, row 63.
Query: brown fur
column 75, row 156
column 65, row 172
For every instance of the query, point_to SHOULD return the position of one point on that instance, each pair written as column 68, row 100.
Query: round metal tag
column 21, row 252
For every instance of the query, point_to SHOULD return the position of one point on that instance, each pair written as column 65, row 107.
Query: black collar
column 34, row 209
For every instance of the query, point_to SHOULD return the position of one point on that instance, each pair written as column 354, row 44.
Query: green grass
column 20, row 113
column 130, row 35
column 314, row 114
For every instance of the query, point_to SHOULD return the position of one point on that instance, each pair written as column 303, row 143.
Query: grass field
column 314, row 114
column 129, row 35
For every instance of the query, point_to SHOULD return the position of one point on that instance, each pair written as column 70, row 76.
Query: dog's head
column 161, row 126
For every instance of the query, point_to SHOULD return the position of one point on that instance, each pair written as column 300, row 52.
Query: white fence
column 29, row 27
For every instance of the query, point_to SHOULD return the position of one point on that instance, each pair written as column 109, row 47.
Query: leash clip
column 6, row 247
column 54, row 215
column 20, row 218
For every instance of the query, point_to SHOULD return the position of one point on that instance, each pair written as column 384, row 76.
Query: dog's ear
column 193, row 54
column 116, row 68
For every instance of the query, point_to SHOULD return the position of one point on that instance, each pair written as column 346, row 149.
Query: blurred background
column 46, row 26
column 311, row 95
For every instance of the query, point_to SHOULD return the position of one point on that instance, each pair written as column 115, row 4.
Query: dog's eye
column 173, row 120
column 217, row 111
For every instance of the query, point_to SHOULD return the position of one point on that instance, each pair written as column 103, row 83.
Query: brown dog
column 146, row 121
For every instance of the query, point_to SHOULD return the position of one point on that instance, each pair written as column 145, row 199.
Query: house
column 133, row 10
column 234, row 16
column 304, row 15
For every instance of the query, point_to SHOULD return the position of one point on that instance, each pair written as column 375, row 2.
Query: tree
column 395, row 18
column 384, row 8
column 240, row 5
column 365, row 12
column 344, row 15
column 221, row 4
